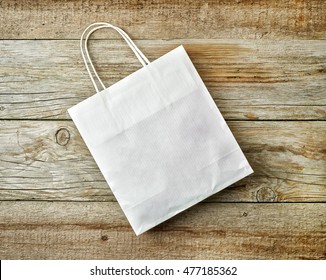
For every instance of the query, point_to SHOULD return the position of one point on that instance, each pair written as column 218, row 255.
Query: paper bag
column 158, row 137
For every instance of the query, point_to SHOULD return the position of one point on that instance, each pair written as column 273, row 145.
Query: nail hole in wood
column 104, row 237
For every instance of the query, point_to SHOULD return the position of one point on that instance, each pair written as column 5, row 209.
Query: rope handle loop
column 84, row 49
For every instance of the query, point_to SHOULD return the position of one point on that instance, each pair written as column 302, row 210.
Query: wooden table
column 264, row 63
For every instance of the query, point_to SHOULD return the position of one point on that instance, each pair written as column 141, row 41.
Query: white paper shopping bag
column 158, row 137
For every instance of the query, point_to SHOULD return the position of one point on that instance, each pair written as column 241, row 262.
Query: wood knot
column 104, row 237
column 265, row 194
column 62, row 136
column 2, row 108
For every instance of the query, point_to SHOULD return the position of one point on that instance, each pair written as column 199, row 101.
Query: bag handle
column 99, row 25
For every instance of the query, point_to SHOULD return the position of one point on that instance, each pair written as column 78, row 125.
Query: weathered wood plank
column 166, row 19
column 76, row 230
column 48, row 160
column 248, row 79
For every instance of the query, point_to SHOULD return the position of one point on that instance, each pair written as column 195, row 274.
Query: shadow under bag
column 158, row 137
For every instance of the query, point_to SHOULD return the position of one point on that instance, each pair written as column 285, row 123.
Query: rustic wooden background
column 264, row 63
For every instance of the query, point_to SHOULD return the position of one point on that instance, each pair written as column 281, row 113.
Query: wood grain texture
column 76, row 230
column 48, row 160
column 249, row 80
column 264, row 63
column 23, row 19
